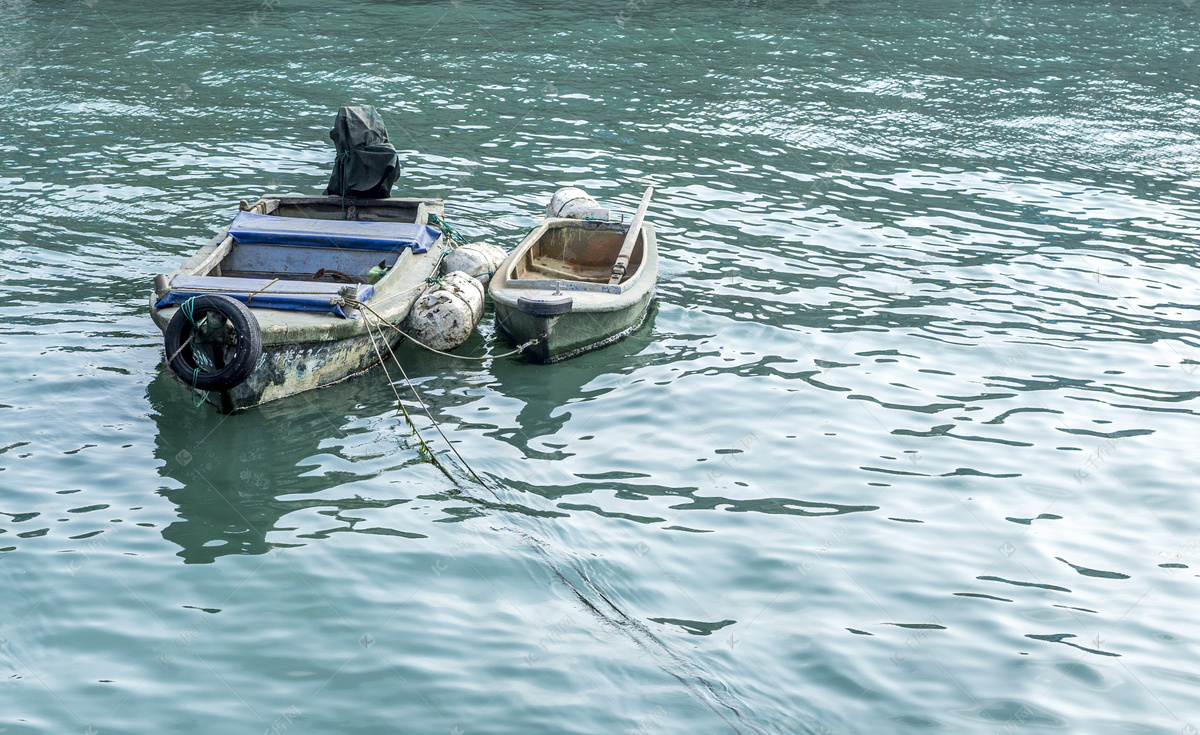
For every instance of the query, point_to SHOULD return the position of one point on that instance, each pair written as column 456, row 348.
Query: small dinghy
column 576, row 284
column 273, row 305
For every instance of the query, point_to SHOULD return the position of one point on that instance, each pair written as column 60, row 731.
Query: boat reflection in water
column 235, row 477
column 547, row 392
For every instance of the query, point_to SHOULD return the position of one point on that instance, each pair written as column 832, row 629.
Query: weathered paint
column 289, row 369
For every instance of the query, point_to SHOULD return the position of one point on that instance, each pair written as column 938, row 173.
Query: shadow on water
column 233, row 472
column 531, row 401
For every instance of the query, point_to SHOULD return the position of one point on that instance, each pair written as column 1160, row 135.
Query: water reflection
column 233, row 473
column 526, row 402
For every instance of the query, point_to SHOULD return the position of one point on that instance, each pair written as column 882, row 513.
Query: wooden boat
column 559, row 285
column 269, row 307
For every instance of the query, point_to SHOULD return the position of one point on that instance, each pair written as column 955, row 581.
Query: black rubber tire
column 547, row 307
column 240, row 361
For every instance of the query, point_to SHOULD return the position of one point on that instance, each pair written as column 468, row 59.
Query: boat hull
column 568, row 335
column 291, row 368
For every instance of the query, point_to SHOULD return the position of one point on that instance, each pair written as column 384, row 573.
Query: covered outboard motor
column 367, row 164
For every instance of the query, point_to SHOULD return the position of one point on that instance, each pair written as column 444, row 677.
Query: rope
column 403, row 410
column 204, row 397
column 413, row 388
column 452, row 234
column 406, row 335
column 425, row 445
column 588, row 218
column 270, row 283
column 189, row 312
column 188, row 308
column 437, row 426
column 187, row 342
column 529, row 232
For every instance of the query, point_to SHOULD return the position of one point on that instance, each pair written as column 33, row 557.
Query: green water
column 907, row 444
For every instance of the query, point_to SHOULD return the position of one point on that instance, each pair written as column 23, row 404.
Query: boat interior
column 318, row 264
column 293, row 263
column 567, row 251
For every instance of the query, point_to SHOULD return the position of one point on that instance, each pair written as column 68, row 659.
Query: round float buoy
column 478, row 260
column 213, row 342
column 575, row 203
column 447, row 312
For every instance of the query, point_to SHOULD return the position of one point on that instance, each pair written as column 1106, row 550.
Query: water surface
column 906, row 445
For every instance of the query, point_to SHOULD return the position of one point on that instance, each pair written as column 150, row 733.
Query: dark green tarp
column 367, row 164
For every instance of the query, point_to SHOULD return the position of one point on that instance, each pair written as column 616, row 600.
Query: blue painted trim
column 249, row 227
column 285, row 295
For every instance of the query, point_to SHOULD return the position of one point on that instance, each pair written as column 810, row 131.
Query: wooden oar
column 618, row 271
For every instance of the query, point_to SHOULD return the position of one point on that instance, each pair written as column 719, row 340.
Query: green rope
column 451, row 233
column 203, row 398
column 189, row 310
column 529, row 232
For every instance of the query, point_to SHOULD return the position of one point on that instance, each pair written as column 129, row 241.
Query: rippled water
column 907, row 443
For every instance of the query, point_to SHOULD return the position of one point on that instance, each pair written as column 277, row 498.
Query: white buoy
column 478, row 260
column 447, row 312
column 575, row 203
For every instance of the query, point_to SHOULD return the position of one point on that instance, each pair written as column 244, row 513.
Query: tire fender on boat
column 236, row 361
